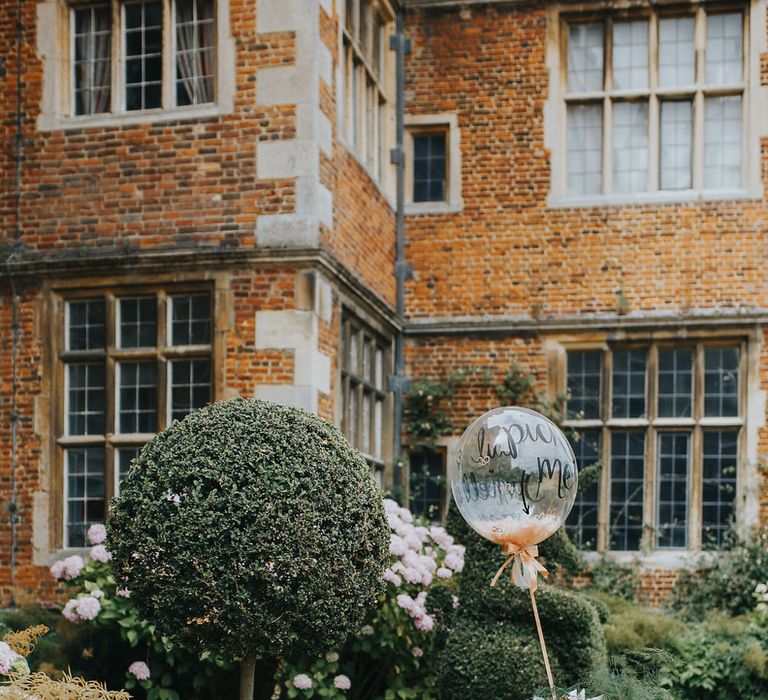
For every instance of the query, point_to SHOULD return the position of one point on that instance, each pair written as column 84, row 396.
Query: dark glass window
column 675, row 382
column 143, row 36
column 718, row 486
column 138, row 323
column 84, row 497
column 85, row 324
column 584, row 372
column 627, row 475
column 190, row 386
column 582, row 521
column 138, row 397
column 92, row 61
column 672, row 503
column 427, row 484
column 191, row 320
column 85, row 398
column 628, row 392
column 429, row 181
column 721, row 382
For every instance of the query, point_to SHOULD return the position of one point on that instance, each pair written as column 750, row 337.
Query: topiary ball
column 250, row 527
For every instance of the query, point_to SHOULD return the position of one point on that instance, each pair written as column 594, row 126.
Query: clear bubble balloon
column 514, row 478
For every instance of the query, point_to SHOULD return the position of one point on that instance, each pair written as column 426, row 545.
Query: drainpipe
column 398, row 382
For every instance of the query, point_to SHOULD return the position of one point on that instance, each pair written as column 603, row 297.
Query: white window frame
column 425, row 123
column 56, row 50
column 754, row 107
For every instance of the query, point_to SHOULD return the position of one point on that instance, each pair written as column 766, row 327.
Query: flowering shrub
column 392, row 655
column 160, row 669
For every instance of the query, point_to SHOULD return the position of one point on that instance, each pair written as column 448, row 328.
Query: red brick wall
column 507, row 252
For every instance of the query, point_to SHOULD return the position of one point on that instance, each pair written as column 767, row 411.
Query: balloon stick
column 543, row 644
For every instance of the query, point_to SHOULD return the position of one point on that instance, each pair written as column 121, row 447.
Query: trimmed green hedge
column 249, row 527
column 503, row 615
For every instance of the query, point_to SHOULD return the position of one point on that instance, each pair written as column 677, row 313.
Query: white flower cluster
column 420, row 553
column 8, row 658
column 761, row 595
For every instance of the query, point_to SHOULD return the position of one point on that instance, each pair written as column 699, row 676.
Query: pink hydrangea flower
column 442, row 572
column 97, row 533
column 100, row 553
column 68, row 568
column 302, row 681
column 123, row 592
column 455, row 602
column 88, row 608
column 405, row 515
column 139, row 670
column 425, row 623
column 397, row 546
column 70, row 611
column 8, row 657
column 342, row 682
column 392, row 577
column 391, row 506
column 405, row 601
column 454, row 561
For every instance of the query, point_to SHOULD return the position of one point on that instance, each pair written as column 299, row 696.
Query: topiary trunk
column 247, row 677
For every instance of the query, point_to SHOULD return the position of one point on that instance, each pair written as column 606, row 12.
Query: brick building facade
column 199, row 202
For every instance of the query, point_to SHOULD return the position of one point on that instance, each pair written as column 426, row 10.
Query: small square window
column 138, row 323
column 429, row 172
column 85, row 324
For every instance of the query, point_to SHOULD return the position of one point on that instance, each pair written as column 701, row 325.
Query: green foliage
column 425, row 414
column 560, row 555
column 393, row 656
column 616, row 681
column 616, row 579
column 630, row 627
column 250, row 528
column 102, row 649
column 51, row 650
column 721, row 659
column 724, row 581
column 517, row 387
column 570, row 622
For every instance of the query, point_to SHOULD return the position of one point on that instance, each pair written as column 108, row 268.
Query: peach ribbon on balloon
column 525, row 567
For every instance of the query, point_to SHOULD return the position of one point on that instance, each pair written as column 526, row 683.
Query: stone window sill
column 655, row 198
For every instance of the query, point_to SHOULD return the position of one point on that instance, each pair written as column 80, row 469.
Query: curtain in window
column 92, row 58
column 194, row 51
column 102, row 72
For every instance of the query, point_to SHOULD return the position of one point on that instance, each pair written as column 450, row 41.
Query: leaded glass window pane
column 722, row 142
column 190, row 386
column 137, row 412
column 85, row 324
column 143, row 47
column 724, row 49
column 721, row 382
column 584, row 371
column 85, row 398
column 585, row 149
column 191, row 320
column 672, row 504
column 195, row 51
column 429, row 168
column 676, row 51
column 630, row 55
column 92, row 60
column 627, row 478
column 675, row 382
column 138, row 323
column 630, row 147
column 718, row 486
column 676, row 145
column 585, row 57
column 427, row 484
column 84, row 502
column 582, row 521
column 628, row 391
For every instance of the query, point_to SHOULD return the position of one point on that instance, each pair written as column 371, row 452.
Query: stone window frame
column 447, row 123
column 55, row 50
column 746, row 503
column 366, row 389
column 355, row 64
column 58, row 356
column 755, row 104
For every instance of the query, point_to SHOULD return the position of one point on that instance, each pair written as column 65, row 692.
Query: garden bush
column 250, row 529
column 724, row 580
column 395, row 653
column 570, row 622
